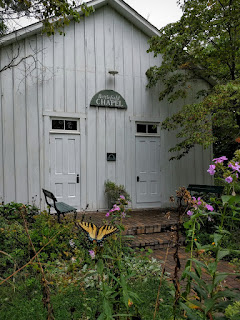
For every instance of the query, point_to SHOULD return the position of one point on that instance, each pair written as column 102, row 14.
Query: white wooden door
column 148, row 169
column 65, row 168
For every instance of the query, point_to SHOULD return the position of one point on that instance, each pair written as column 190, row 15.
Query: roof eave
column 120, row 6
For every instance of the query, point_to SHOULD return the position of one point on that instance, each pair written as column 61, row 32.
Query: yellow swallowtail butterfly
column 96, row 234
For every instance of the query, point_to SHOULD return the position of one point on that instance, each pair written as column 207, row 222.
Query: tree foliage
column 205, row 44
column 54, row 14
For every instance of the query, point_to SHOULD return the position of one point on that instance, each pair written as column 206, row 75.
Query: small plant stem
column 121, row 233
column 223, row 215
column 192, row 243
column 160, row 283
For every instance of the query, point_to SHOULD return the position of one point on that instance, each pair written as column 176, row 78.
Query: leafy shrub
column 114, row 191
column 12, row 211
column 233, row 311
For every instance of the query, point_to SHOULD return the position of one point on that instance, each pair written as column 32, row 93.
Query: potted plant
column 114, row 191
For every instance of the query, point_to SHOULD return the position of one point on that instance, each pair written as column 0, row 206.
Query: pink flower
column 123, row 214
column 92, row 254
column 211, row 169
column 122, row 197
column 198, row 202
column 229, row 179
column 220, row 160
column 189, row 213
column 115, row 208
column 235, row 167
column 209, row 207
column 107, row 214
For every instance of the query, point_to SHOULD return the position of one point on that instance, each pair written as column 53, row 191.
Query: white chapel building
column 77, row 112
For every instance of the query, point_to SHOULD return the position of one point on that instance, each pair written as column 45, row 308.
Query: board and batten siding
column 59, row 79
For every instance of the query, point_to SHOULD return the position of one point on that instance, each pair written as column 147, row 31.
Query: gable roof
column 119, row 5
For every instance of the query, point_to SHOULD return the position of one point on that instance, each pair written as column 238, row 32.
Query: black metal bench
column 60, row 207
column 204, row 188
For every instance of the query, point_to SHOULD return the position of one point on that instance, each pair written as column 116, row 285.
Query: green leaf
column 219, row 278
column 222, row 253
column 209, row 303
column 191, row 314
column 225, row 199
column 202, row 293
column 198, row 280
column 217, row 237
column 100, row 266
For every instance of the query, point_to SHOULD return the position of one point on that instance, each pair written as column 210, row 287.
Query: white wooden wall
column 60, row 80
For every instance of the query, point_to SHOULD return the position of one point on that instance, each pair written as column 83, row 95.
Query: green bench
column 203, row 188
column 60, row 207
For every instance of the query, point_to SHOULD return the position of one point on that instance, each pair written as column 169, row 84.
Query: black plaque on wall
column 111, row 156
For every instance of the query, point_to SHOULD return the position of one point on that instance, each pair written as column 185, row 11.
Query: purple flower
column 229, row 179
column 122, row 197
column 211, row 169
column 115, row 208
column 92, row 254
column 209, row 207
column 197, row 201
column 123, row 214
column 189, row 213
column 107, row 214
column 235, row 167
column 220, row 160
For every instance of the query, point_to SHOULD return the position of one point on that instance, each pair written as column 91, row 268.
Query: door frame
column 46, row 152
column 51, row 139
column 134, row 173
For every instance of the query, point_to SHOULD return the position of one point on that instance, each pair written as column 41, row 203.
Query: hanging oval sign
column 109, row 99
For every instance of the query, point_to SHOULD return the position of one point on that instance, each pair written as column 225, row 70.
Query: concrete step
column 156, row 241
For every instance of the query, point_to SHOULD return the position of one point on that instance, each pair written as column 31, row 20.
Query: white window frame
column 64, row 130
column 146, row 134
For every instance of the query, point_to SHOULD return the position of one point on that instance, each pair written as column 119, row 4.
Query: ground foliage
column 72, row 278
column 85, row 281
column 218, row 219
column 203, row 44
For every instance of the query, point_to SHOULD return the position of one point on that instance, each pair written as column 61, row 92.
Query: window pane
column 141, row 128
column 58, row 124
column 70, row 125
column 152, row 128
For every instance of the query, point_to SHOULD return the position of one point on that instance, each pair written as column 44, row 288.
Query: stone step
column 155, row 241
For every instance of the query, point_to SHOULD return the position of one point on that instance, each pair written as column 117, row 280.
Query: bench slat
column 65, row 208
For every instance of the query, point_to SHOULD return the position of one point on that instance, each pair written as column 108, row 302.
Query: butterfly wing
column 105, row 231
column 90, row 229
